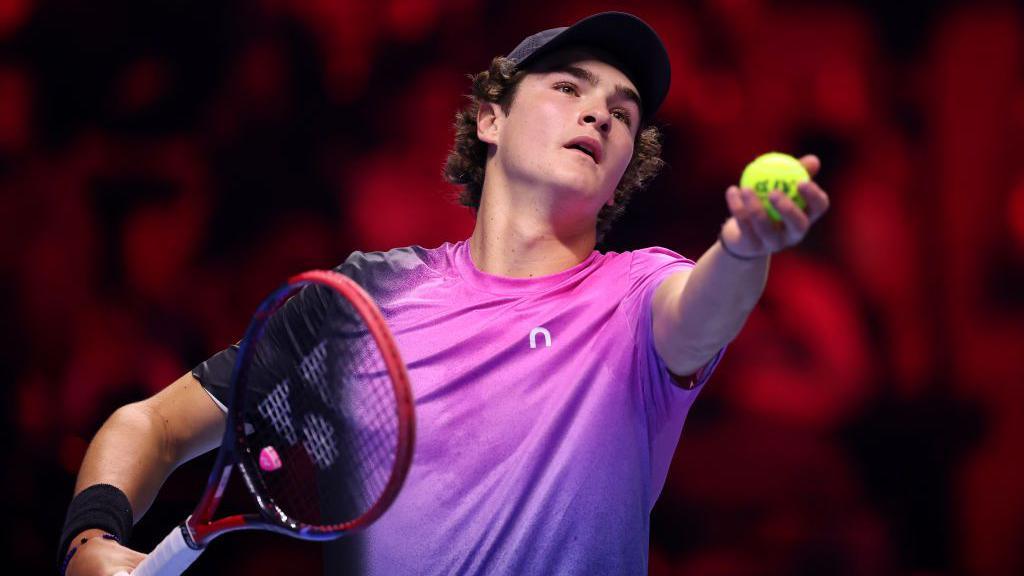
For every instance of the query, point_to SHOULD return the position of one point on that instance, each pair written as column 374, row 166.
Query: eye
column 567, row 88
column 623, row 116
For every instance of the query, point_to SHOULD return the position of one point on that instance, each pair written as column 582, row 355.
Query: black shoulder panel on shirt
column 384, row 275
column 215, row 373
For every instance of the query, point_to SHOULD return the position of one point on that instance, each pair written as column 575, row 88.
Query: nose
column 598, row 117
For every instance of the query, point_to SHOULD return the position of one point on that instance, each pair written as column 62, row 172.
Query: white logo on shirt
column 543, row 331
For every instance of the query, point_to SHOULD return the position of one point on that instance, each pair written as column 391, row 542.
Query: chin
column 576, row 182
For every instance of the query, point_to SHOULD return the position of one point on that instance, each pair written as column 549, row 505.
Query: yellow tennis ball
column 775, row 171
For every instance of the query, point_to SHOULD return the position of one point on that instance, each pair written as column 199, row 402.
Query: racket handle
column 170, row 557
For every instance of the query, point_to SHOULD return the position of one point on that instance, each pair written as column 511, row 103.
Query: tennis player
column 551, row 381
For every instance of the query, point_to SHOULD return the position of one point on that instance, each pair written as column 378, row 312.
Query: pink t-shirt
column 546, row 421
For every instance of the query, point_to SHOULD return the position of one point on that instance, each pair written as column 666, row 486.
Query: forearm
column 707, row 311
column 131, row 451
column 720, row 294
column 134, row 451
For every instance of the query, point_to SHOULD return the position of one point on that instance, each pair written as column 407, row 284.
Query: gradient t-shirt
column 545, row 420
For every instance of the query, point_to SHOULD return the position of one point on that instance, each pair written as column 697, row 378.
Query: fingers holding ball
column 777, row 171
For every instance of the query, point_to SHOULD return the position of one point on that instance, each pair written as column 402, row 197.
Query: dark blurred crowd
column 165, row 164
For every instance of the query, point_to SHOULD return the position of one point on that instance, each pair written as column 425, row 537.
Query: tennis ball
column 775, row 171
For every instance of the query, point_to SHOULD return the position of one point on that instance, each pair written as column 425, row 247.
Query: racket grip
column 170, row 557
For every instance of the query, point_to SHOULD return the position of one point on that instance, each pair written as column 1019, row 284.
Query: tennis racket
column 320, row 423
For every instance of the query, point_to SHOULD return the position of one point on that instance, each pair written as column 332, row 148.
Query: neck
column 523, row 239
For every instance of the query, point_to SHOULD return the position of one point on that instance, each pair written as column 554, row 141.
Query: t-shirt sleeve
column 666, row 402
column 215, row 375
column 648, row 268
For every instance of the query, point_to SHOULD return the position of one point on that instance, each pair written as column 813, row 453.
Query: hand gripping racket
column 320, row 423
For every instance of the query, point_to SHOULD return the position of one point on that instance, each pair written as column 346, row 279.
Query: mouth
column 587, row 146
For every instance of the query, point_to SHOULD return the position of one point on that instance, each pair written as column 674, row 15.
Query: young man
column 551, row 381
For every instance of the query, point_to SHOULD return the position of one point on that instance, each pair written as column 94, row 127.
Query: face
column 570, row 130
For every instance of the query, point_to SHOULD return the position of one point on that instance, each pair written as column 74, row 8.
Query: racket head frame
column 198, row 529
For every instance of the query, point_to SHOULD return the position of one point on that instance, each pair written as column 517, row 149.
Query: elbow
column 685, row 356
column 686, row 351
column 690, row 363
column 144, row 421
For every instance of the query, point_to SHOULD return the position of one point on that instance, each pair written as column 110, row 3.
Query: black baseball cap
column 635, row 45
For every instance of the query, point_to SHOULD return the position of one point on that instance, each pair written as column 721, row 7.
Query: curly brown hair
column 465, row 164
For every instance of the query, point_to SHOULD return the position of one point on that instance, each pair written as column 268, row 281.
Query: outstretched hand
column 750, row 232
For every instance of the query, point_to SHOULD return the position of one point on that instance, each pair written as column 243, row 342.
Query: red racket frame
column 198, row 528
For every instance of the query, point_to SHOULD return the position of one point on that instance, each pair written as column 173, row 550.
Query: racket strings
column 322, row 409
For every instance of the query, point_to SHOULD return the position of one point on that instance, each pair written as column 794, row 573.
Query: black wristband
column 101, row 506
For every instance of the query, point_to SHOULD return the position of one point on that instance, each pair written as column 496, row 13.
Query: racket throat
column 196, row 528
column 189, row 535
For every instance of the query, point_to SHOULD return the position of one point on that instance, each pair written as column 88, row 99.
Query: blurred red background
column 163, row 165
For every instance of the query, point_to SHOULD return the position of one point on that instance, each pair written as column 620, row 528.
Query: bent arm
column 142, row 443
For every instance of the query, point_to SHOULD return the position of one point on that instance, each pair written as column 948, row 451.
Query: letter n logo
column 543, row 332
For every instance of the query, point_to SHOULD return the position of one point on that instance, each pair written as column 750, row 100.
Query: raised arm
column 697, row 312
column 134, row 451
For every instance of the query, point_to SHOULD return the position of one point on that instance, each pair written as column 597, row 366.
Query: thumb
column 812, row 163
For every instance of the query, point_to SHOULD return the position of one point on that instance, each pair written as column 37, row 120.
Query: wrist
column 84, row 535
column 78, row 543
column 737, row 255
column 101, row 508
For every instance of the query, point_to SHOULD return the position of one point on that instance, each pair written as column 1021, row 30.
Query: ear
column 488, row 122
column 611, row 200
